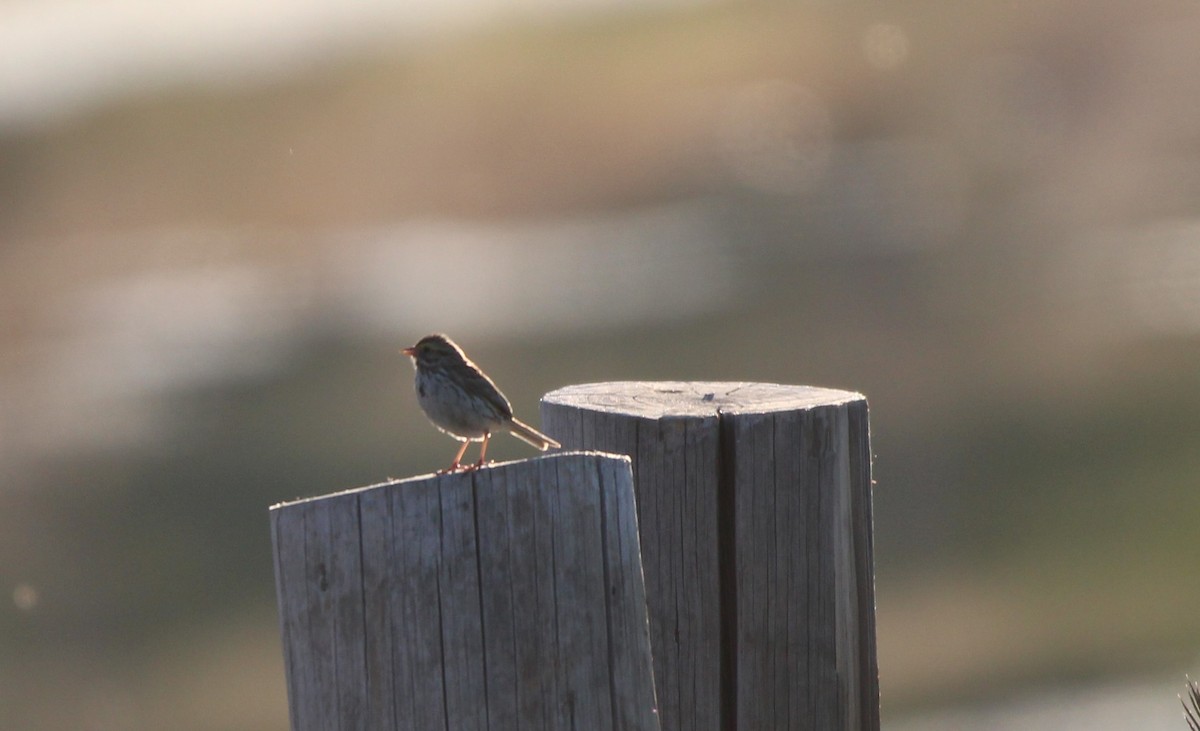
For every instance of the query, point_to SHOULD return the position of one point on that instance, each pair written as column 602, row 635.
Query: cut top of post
column 658, row 399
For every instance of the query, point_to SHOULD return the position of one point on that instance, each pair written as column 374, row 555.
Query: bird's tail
column 532, row 436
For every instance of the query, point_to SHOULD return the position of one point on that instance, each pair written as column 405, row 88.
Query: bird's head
column 433, row 350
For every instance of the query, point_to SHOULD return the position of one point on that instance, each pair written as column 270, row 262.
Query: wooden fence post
column 509, row 597
column 754, row 506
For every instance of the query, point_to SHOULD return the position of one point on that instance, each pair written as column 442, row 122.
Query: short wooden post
column 754, row 505
column 509, row 597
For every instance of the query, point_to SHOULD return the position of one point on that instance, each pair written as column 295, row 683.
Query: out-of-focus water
column 99, row 372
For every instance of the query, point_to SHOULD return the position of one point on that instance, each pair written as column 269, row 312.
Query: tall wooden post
column 754, row 506
column 509, row 597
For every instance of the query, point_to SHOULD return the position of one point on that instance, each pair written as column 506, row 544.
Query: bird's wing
column 478, row 383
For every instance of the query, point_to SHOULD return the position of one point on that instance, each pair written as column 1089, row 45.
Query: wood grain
column 754, row 509
column 509, row 597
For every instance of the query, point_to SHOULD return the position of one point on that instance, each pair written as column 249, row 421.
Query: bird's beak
column 410, row 352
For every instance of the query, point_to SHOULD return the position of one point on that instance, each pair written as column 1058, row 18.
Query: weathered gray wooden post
column 754, row 506
column 509, row 597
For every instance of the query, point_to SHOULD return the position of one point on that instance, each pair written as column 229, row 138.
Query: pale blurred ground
column 219, row 222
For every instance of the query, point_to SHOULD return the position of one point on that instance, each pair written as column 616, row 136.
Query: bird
column 460, row 399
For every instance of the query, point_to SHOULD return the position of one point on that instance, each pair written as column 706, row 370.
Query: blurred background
column 219, row 221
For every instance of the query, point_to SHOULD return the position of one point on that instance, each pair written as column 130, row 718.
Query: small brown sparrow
column 462, row 401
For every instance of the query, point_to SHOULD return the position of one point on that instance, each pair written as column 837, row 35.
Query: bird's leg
column 457, row 458
column 482, row 450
